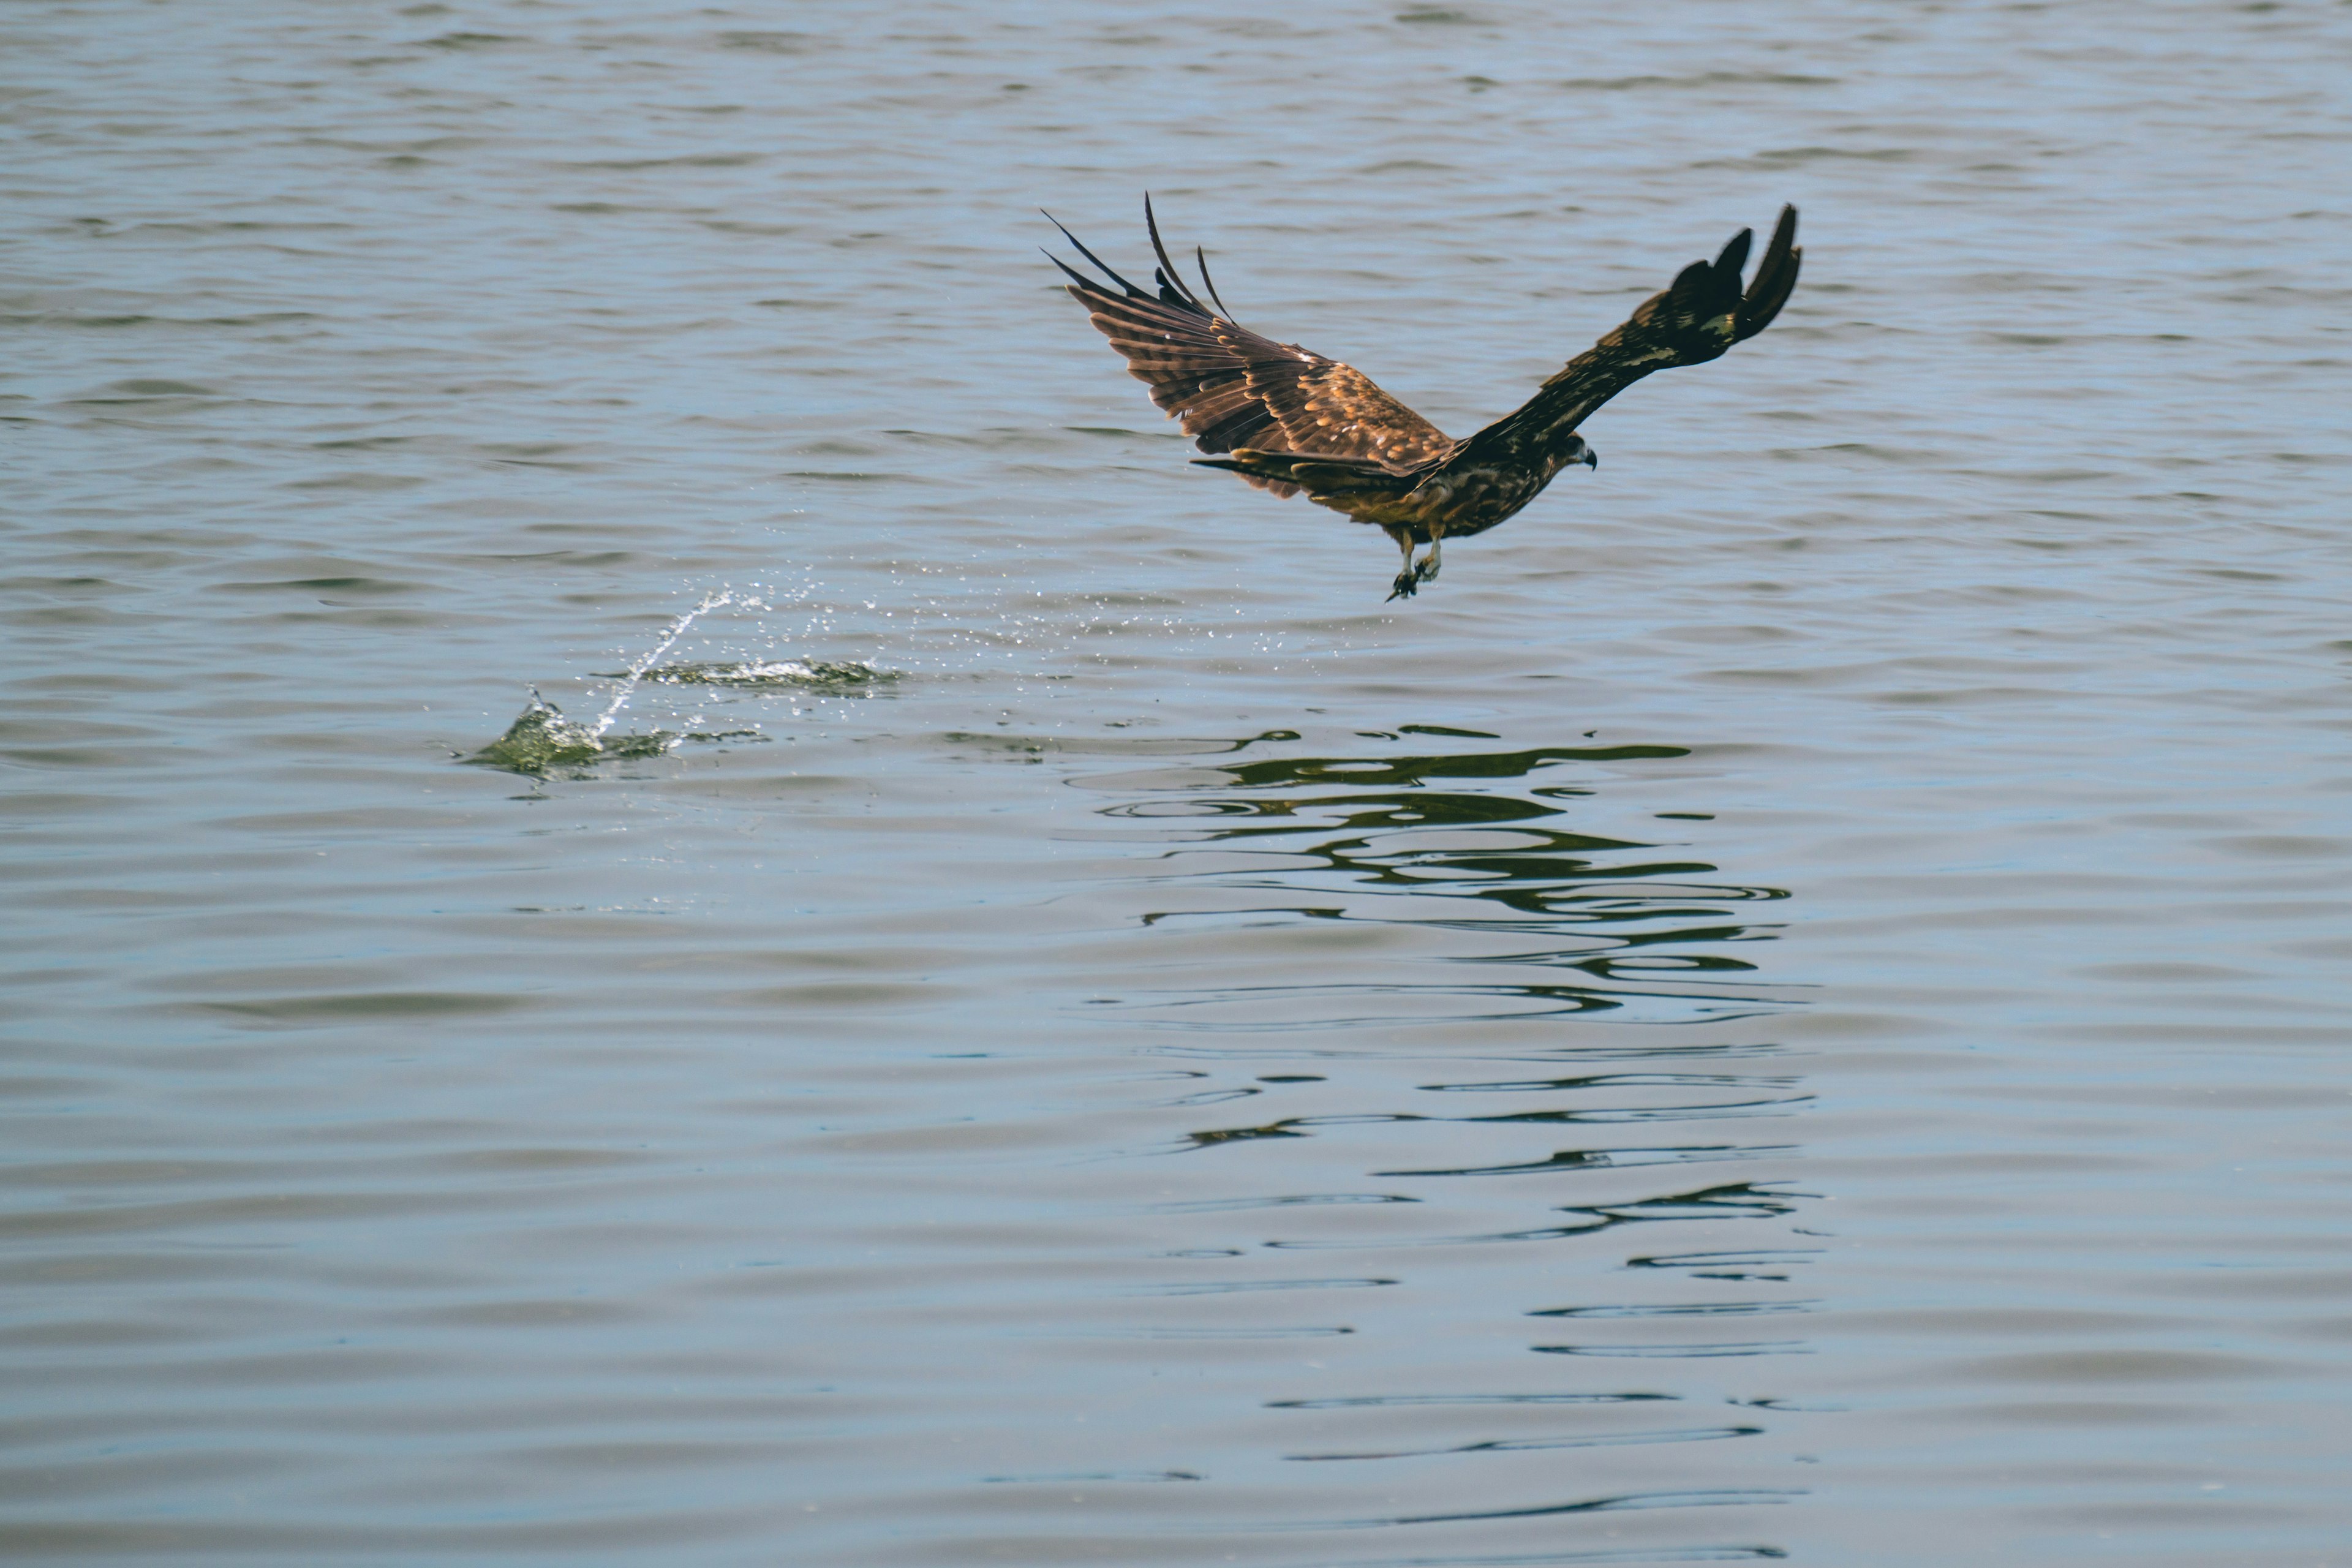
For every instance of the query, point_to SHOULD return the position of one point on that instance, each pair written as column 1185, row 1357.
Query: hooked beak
column 1591, row 458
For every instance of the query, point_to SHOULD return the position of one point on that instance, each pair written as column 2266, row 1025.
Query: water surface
column 1792, row 1008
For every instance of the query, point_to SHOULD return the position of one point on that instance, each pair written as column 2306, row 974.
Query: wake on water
column 542, row 741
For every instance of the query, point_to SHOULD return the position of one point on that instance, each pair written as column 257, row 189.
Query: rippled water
column 1793, row 1007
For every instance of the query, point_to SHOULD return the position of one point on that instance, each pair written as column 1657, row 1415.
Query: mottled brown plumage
column 1288, row 419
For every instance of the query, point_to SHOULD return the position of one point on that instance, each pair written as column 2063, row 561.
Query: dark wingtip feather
column 1208, row 282
column 1080, row 281
column 1690, row 283
column 1760, row 317
column 1776, row 277
column 1172, row 289
column 1090, row 256
column 1733, row 258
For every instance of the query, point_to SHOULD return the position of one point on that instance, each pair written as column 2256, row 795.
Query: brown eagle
column 1286, row 419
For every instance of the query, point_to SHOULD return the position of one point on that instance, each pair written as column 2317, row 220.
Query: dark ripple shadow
column 1528, row 1445
column 1607, row 1160
column 1730, row 1265
column 1739, row 1200
column 1299, row 1200
column 1398, row 1401
column 1681, row 1352
column 1682, row 1310
column 1726, row 1498
column 1234, row 1287
column 1380, row 892
column 1570, row 1559
column 1377, row 840
column 1066, row 1478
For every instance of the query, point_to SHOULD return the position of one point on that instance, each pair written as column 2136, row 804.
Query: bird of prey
column 1288, row 419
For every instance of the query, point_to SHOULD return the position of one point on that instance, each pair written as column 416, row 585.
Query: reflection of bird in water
column 1286, row 419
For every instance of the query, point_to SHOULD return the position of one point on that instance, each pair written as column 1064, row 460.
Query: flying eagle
column 1286, row 419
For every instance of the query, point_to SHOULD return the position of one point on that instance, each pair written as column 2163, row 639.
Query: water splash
column 542, row 739
column 812, row 675
column 637, row 672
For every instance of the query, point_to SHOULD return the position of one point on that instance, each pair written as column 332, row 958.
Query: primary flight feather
column 1288, row 419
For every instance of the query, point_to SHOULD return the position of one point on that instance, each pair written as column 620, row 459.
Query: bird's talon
column 1404, row 587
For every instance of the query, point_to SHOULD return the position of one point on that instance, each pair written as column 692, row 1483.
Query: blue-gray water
column 1795, row 1003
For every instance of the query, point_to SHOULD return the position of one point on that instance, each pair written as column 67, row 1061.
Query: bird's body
column 1288, row 420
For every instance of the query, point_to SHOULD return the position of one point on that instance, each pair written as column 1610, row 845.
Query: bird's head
column 1578, row 452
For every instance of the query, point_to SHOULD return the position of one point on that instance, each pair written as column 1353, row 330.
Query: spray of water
column 636, row 671
column 541, row 740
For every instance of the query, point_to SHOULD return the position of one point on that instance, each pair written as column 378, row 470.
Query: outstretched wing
column 1231, row 388
column 1700, row 316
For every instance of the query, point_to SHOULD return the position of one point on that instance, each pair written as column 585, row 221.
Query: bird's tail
column 1323, row 479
